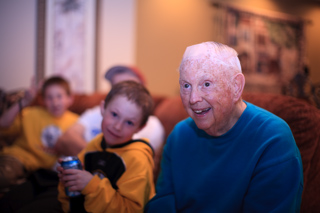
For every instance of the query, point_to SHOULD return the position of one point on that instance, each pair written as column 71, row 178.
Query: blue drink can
column 71, row 162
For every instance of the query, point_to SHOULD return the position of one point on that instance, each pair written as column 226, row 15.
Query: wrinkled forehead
column 202, row 69
column 211, row 56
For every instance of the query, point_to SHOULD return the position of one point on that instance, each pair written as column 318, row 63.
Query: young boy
column 37, row 129
column 118, row 174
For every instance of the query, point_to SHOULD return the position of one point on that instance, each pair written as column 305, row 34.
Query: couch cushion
column 81, row 102
column 170, row 112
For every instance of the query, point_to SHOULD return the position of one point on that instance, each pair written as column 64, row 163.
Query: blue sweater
column 254, row 167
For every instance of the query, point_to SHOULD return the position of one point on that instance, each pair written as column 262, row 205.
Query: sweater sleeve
column 62, row 197
column 134, row 187
column 164, row 201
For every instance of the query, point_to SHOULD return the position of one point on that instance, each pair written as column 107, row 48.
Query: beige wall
column 116, row 38
column 166, row 27
column 18, row 43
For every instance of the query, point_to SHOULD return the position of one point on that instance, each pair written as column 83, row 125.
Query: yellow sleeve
column 15, row 128
column 63, row 198
column 134, row 187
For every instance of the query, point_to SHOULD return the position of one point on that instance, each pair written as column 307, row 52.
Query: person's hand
column 28, row 97
column 30, row 93
column 74, row 179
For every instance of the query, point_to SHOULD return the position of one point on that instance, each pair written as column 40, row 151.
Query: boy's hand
column 30, row 93
column 28, row 97
column 75, row 179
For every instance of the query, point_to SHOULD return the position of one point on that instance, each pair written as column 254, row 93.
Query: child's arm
column 75, row 179
column 72, row 141
column 8, row 117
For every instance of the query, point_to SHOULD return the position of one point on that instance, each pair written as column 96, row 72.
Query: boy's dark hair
column 135, row 93
column 56, row 80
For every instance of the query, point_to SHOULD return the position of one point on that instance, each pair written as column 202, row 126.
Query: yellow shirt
column 39, row 130
column 134, row 187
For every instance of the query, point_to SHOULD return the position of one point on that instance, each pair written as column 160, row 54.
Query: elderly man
column 230, row 155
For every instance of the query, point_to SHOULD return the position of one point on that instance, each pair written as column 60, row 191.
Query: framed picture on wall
column 270, row 46
column 66, row 42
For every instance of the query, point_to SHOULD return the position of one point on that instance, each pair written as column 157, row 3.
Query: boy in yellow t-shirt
column 118, row 175
column 37, row 129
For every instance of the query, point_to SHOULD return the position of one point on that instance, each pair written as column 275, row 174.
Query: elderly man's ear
column 239, row 82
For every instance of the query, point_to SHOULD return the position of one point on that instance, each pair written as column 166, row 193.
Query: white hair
column 212, row 54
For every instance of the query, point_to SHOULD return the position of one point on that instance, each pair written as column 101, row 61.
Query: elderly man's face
column 207, row 96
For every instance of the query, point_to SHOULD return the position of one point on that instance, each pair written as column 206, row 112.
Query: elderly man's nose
column 195, row 96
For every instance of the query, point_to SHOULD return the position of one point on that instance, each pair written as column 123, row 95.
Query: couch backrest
column 81, row 102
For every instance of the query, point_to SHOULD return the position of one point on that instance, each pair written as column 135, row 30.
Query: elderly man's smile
column 201, row 111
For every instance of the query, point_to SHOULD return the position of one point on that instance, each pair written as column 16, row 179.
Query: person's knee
column 12, row 172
